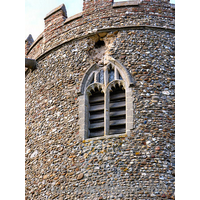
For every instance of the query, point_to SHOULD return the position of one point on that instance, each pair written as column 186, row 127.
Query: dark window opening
column 99, row 44
column 111, row 74
column 120, row 77
column 92, row 81
column 101, row 77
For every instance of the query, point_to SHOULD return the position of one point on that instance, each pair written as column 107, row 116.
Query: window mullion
column 116, row 74
column 106, row 112
column 105, row 76
column 106, row 103
column 86, row 110
column 96, row 77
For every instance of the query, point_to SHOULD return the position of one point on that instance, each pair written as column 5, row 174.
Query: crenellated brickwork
column 89, row 7
column 103, row 15
column 54, row 23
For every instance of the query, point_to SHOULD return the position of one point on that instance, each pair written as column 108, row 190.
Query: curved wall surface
column 60, row 164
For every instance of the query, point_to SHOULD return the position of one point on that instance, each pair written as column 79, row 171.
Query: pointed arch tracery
column 120, row 73
column 105, row 101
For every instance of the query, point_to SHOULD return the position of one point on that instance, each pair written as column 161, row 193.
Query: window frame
column 85, row 91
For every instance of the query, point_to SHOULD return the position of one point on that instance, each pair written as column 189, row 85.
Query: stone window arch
column 106, row 101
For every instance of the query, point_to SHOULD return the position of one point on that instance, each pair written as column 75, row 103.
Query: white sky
column 36, row 10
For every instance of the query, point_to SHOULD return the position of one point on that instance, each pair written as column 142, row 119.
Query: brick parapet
column 58, row 28
column 89, row 6
column 54, row 23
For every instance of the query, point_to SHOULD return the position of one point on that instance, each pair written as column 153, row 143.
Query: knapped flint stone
column 103, row 34
column 45, row 176
column 80, row 176
column 157, row 148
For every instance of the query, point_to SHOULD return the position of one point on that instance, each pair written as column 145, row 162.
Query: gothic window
column 105, row 101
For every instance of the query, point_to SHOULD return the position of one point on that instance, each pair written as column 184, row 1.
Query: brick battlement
column 98, row 14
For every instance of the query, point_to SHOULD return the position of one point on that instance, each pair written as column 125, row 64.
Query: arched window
column 105, row 101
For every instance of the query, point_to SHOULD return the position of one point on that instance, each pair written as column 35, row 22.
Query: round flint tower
column 100, row 121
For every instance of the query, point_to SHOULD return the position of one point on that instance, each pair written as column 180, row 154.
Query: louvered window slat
column 118, row 104
column 95, row 99
column 96, row 132
column 119, row 130
column 96, row 125
column 96, row 116
column 117, row 113
column 117, row 122
column 96, row 107
column 117, row 96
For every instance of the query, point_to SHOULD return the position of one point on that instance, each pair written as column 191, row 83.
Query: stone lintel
column 126, row 3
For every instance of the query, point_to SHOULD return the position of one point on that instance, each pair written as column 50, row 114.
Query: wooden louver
column 117, row 111
column 96, row 114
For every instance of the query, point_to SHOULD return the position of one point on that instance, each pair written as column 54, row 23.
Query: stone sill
column 126, row 3
column 79, row 15
column 105, row 137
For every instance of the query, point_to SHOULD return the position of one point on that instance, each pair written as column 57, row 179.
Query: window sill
column 105, row 137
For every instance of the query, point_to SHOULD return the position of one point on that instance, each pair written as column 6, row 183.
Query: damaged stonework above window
column 105, row 101
column 99, row 44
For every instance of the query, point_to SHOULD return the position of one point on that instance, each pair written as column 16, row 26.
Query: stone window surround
column 84, row 93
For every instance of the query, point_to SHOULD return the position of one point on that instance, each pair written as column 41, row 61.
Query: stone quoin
column 100, row 103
